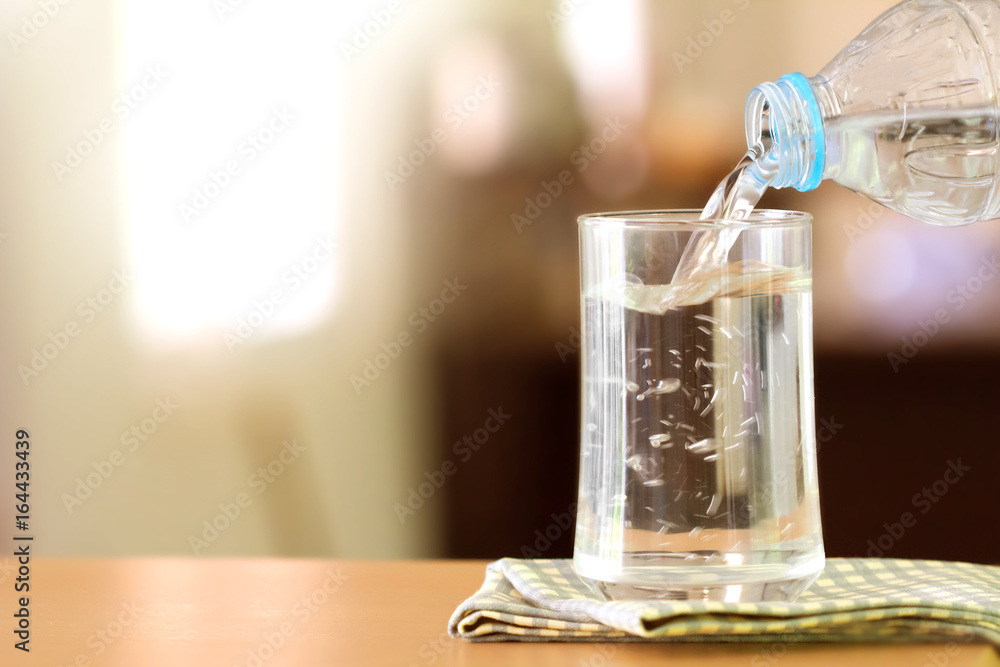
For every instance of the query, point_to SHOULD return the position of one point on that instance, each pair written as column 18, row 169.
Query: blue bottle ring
column 815, row 174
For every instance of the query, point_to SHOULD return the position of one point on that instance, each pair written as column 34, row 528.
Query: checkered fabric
column 855, row 599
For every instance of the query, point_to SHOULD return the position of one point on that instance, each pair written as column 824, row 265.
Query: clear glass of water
column 698, row 449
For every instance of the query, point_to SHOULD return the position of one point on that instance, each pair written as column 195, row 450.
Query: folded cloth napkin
column 855, row 599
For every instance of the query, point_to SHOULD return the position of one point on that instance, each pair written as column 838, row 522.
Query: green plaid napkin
column 855, row 599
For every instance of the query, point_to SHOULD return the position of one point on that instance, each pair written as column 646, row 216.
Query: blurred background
column 300, row 278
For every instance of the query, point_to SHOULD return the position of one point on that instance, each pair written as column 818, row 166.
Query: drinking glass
column 698, row 449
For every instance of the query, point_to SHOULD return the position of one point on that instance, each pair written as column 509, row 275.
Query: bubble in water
column 668, row 386
column 713, row 506
column 709, row 405
column 706, row 444
column 660, row 440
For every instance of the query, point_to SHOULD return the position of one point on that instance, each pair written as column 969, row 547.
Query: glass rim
column 690, row 219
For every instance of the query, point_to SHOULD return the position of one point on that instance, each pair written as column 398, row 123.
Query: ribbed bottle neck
column 785, row 118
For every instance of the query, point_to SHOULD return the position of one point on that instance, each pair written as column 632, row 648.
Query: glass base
column 664, row 577
column 773, row 591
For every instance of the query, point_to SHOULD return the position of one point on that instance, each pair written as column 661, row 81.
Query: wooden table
column 146, row 613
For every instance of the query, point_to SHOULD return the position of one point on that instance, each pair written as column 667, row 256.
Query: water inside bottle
column 935, row 165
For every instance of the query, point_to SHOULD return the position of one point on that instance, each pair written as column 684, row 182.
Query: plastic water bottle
column 906, row 114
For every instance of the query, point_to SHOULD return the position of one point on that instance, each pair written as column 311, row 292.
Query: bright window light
column 604, row 45
column 230, row 170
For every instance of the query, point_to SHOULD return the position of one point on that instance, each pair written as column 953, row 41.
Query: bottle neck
column 785, row 119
